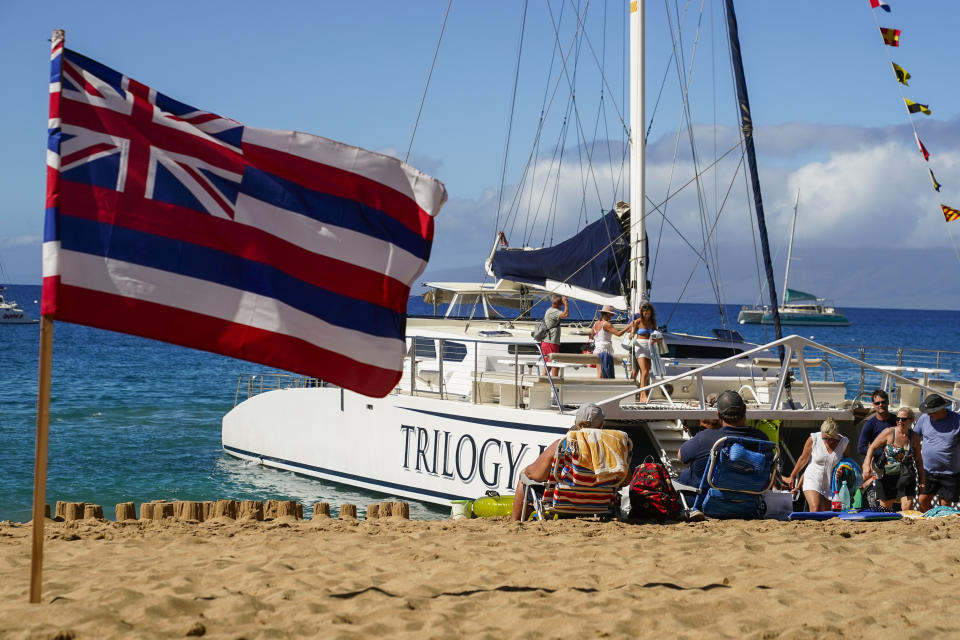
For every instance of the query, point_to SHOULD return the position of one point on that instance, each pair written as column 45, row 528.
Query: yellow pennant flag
column 936, row 185
column 902, row 74
column 913, row 107
column 949, row 213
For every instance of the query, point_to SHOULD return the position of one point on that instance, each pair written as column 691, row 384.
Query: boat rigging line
column 426, row 86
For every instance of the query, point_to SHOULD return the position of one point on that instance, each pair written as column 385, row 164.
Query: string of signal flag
column 891, row 38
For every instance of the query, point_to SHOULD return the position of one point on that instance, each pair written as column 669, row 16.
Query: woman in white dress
column 820, row 456
column 603, row 332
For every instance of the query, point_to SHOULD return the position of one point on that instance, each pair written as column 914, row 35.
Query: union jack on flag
column 177, row 224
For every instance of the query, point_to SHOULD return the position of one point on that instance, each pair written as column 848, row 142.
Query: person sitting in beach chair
column 579, row 474
column 695, row 452
column 739, row 472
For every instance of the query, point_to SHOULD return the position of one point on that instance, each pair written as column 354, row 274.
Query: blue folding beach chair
column 739, row 471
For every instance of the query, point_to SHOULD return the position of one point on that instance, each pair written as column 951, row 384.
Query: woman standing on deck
column 822, row 451
column 903, row 463
column 644, row 324
column 603, row 333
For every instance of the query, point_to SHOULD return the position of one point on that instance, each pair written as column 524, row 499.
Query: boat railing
column 251, row 384
column 798, row 352
column 446, row 368
column 459, row 368
column 512, row 372
column 940, row 365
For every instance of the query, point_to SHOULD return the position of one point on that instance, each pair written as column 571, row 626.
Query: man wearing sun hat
column 939, row 429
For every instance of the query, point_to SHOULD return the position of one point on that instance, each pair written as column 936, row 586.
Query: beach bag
column 652, row 496
column 540, row 332
column 879, row 462
column 627, row 341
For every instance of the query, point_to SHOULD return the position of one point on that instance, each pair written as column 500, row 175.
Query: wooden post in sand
column 269, row 509
column 250, row 510
column 348, row 511
column 162, row 510
column 321, row 510
column 92, row 512
column 73, row 510
column 401, row 510
column 288, row 508
column 43, row 437
column 188, row 510
column 125, row 511
column 225, row 509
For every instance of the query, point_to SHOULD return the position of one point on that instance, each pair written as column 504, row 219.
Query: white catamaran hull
column 415, row 447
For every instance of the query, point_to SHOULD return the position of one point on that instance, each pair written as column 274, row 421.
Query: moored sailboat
column 797, row 307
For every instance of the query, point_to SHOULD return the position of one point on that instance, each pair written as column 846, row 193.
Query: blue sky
column 829, row 118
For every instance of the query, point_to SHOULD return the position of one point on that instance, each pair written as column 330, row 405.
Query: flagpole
column 40, row 456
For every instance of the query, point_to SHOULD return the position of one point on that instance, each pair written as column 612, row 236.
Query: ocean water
column 138, row 420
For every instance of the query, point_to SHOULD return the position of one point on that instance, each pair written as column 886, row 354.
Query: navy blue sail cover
column 572, row 261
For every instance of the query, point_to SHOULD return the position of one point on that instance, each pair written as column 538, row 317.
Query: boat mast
column 639, row 288
column 793, row 228
column 746, row 124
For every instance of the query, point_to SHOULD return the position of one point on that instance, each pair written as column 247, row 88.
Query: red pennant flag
column 880, row 4
column 949, row 213
column 891, row 37
column 923, row 149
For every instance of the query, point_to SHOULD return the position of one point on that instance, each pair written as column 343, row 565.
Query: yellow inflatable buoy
column 493, row 506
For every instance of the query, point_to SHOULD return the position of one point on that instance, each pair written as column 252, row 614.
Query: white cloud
column 865, row 194
column 18, row 241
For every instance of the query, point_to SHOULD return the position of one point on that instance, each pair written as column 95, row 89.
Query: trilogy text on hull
column 436, row 452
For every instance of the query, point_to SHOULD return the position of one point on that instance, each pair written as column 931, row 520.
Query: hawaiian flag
column 891, row 37
column 880, row 4
column 949, row 213
column 278, row 247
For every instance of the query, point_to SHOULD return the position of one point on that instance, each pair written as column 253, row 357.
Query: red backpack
column 652, row 496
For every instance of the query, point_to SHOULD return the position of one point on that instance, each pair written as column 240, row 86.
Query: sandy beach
column 483, row 578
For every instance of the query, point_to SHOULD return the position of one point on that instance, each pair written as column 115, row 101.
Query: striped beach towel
column 585, row 478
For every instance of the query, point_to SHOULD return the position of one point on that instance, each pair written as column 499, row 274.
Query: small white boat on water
column 11, row 313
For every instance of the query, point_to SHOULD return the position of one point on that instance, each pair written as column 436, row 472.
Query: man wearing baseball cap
column 695, row 452
column 589, row 416
column 939, row 428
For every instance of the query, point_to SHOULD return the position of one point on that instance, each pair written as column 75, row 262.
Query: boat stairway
column 669, row 436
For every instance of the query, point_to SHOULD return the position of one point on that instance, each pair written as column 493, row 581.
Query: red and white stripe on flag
column 879, row 4
column 277, row 247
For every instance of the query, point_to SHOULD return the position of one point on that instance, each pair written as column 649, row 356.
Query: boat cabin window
column 524, row 349
column 423, row 348
column 701, row 351
column 426, row 348
column 454, row 351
